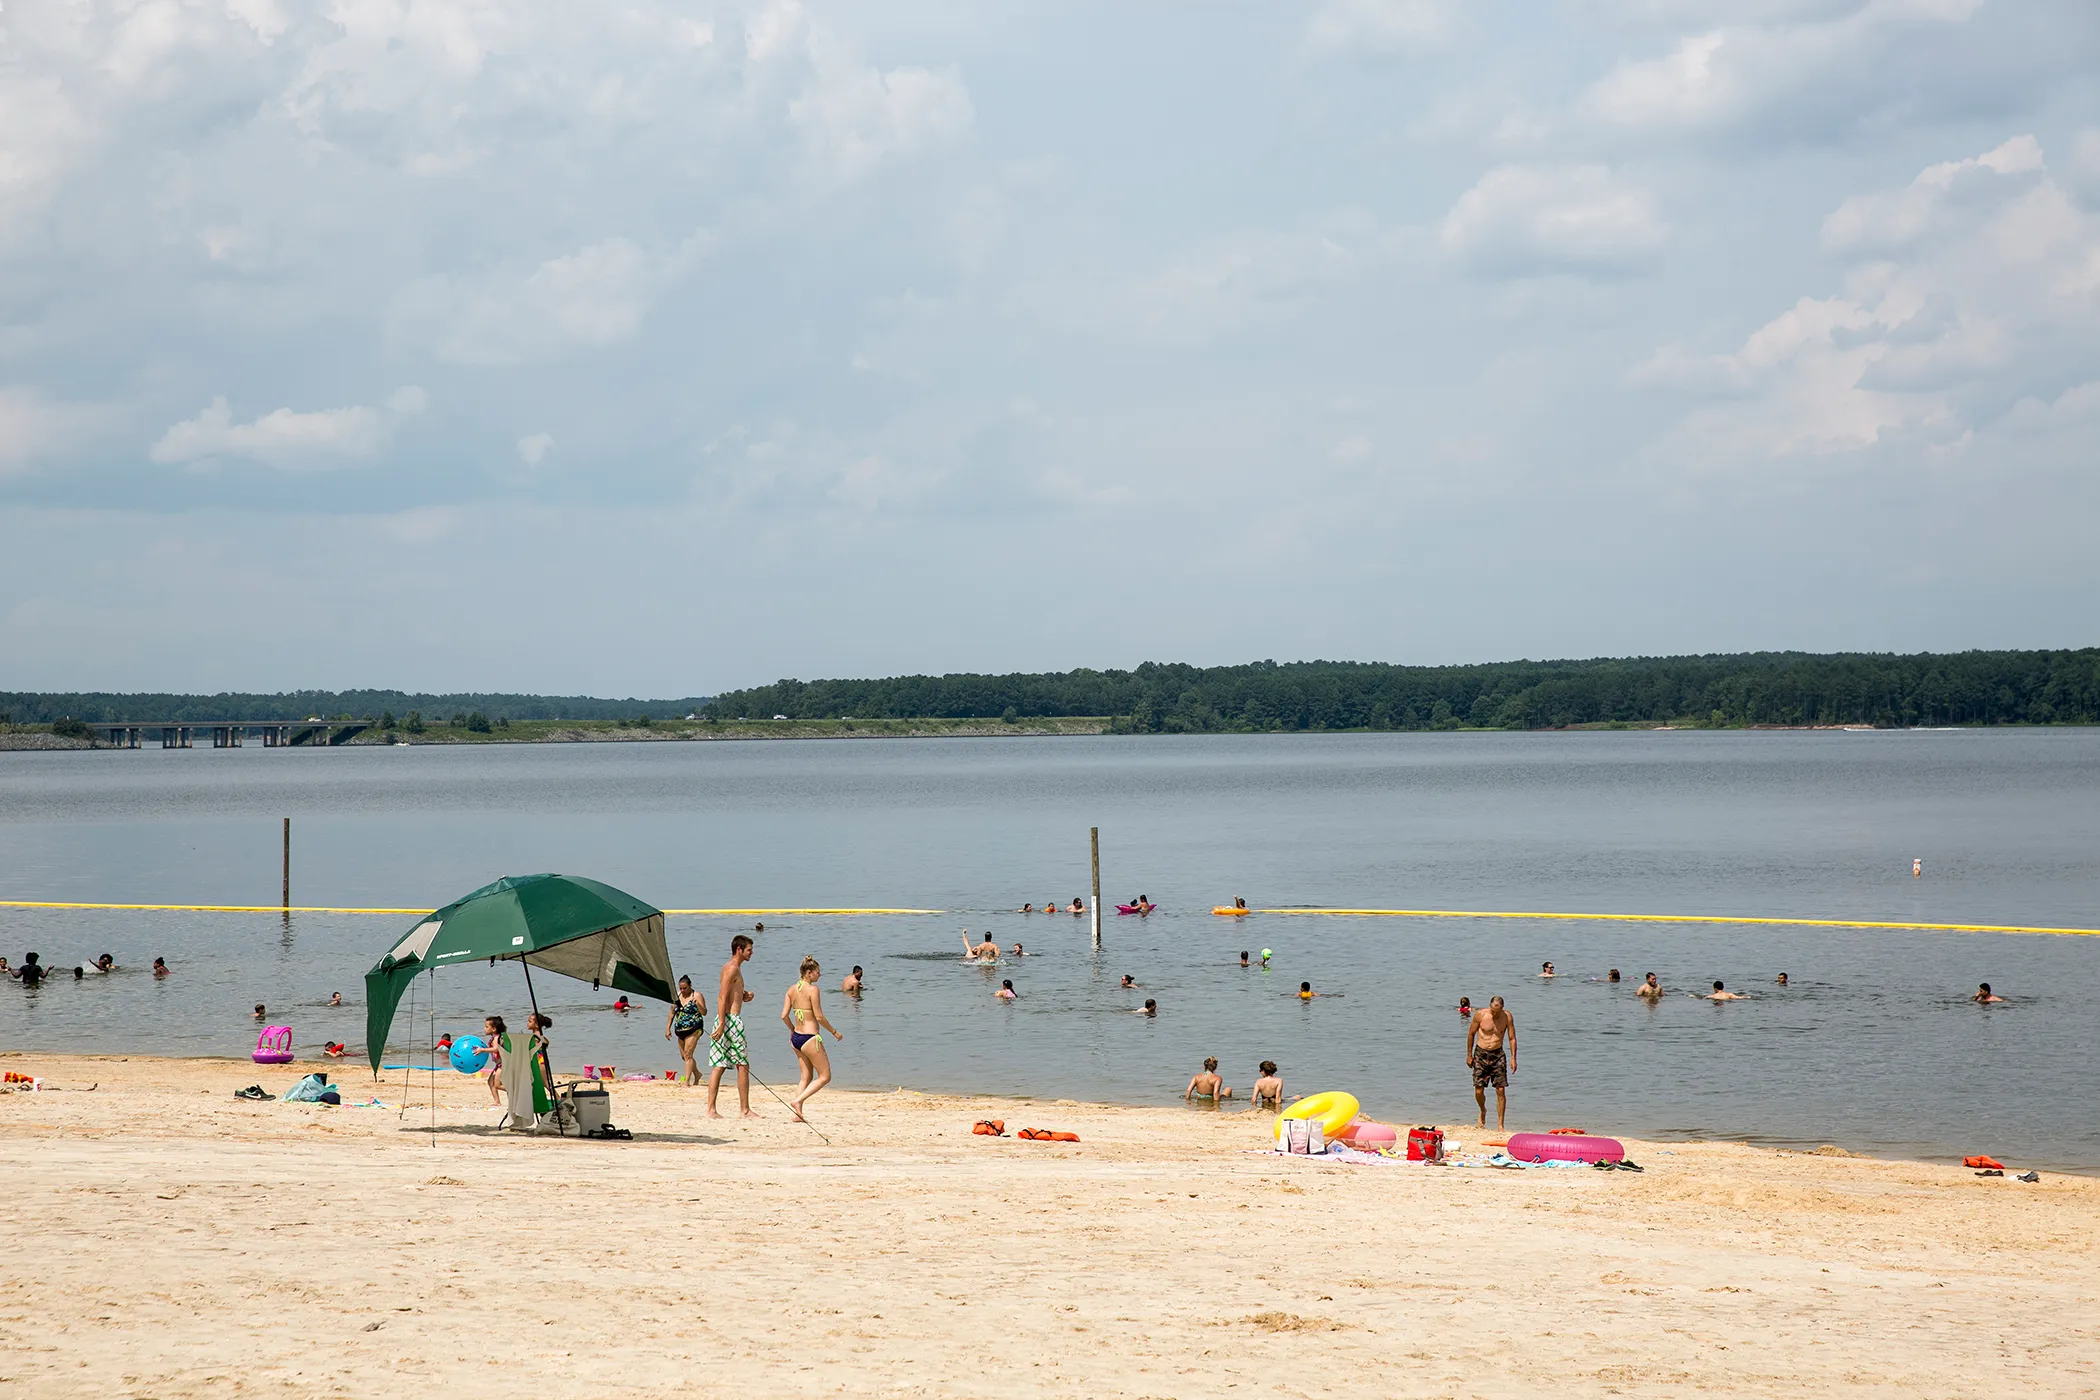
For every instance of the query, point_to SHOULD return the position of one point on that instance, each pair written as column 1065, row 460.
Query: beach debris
column 1290, row 1322
column 444, row 1181
column 2028, row 1177
column 1992, row 1171
column 374, row 1326
column 1831, row 1150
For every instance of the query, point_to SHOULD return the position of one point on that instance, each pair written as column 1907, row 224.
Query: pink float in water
column 1564, row 1147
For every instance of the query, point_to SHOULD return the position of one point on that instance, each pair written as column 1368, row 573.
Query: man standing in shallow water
column 1491, row 1061
column 726, row 1046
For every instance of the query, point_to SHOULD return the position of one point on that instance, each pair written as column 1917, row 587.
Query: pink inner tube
column 1566, row 1147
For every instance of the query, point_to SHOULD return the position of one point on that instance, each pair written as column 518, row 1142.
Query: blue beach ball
column 469, row 1054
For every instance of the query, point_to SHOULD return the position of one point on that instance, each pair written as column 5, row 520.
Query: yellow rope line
column 333, row 909
column 1678, row 919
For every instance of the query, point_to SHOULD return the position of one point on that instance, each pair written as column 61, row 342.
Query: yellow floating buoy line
column 1674, row 919
column 338, row 909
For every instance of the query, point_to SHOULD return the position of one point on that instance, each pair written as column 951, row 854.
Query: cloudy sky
column 652, row 347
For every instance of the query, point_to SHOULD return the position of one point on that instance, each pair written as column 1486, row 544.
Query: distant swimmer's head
column 1006, row 985
column 856, row 969
column 1210, row 1063
column 259, row 1012
column 1017, row 951
column 1984, row 987
column 1028, row 909
column 1465, row 1003
column 1718, row 987
column 1243, row 957
column 1651, row 979
column 1128, row 980
column 1151, row 1007
column 1612, row 976
column 1305, row 990
column 1545, row 969
column 1268, row 1067
column 1782, row 979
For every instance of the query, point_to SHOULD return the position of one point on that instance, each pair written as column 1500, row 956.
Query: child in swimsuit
column 1207, row 1084
column 493, row 1030
column 1268, row 1090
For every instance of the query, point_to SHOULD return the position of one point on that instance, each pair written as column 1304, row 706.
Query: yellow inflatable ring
column 1231, row 911
column 1334, row 1112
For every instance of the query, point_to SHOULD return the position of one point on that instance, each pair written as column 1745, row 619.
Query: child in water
column 1207, row 1084
column 1268, row 1090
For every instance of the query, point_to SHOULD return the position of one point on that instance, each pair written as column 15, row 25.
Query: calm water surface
column 1873, row 1046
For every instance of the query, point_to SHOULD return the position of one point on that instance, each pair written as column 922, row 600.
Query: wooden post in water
column 1096, row 837
column 287, row 862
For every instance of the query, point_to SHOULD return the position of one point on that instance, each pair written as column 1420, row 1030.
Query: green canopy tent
column 563, row 923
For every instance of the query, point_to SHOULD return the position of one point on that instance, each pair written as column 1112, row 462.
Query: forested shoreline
column 1780, row 688
column 1719, row 691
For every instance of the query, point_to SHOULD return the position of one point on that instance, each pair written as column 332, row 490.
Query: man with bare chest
column 725, row 1047
column 1491, row 1052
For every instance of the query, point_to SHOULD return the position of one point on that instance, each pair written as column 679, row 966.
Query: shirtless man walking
column 1490, row 1060
column 726, row 1046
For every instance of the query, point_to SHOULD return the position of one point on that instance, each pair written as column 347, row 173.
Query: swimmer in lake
column 1650, row 989
column 1306, row 993
column 1781, row 979
column 161, row 968
column 1985, row 996
column 853, row 983
column 1028, row 909
column 1150, row 1008
column 1268, row 1090
column 259, row 1012
column 984, row 952
column 1612, row 976
column 1128, row 981
column 1917, row 869
column 334, row 998
column 1006, row 990
column 1017, row 951
column 1078, row 906
column 1546, row 970
column 1243, row 958
column 1721, row 993
column 1465, row 1006
column 1207, row 1084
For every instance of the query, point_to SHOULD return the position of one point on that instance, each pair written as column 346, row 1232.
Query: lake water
column 1873, row 1046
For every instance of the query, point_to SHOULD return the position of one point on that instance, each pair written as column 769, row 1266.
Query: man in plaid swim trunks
column 726, row 1046
column 1491, row 1052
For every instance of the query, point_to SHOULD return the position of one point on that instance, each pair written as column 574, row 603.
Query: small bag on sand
column 1425, row 1144
column 1301, row 1137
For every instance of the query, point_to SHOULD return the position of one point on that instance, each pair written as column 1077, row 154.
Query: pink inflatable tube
column 1551, row 1147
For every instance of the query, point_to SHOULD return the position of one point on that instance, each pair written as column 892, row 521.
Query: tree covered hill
column 1977, row 687
column 1965, row 688
column 29, row 707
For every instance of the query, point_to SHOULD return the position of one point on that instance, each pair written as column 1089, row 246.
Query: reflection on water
column 1873, row 1044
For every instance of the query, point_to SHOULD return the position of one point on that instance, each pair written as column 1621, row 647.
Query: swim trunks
column 727, row 1051
column 1489, row 1071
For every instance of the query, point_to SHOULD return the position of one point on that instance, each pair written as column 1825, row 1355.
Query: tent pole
column 545, row 1063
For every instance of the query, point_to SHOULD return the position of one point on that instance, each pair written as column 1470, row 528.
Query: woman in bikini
column 687, row 1020
column 802, row 1012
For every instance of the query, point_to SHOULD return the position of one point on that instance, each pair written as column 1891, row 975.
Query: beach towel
column 308, row 1090
column 526, row 1093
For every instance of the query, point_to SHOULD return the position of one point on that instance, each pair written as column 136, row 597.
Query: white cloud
column 589, row 299
column 534, row 447
column 1374, row 26
column 1790, row 76
column 1526, row 220
column 1983, row 283
column 287, row 438
column 1889, row 219
column 852, row 117
column 34, row 426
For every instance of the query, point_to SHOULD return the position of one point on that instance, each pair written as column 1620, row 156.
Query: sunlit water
column 1874, row 1045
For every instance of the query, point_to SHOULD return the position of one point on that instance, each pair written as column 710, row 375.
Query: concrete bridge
column 229, row 733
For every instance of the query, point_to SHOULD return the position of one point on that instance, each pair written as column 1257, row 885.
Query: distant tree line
column 97, row 707
column 1965, row 688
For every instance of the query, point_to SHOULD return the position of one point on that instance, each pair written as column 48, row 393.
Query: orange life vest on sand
column 990, row 1127
column 1991, row 1163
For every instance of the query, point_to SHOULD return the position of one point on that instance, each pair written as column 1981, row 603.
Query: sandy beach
column 171, row 1240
